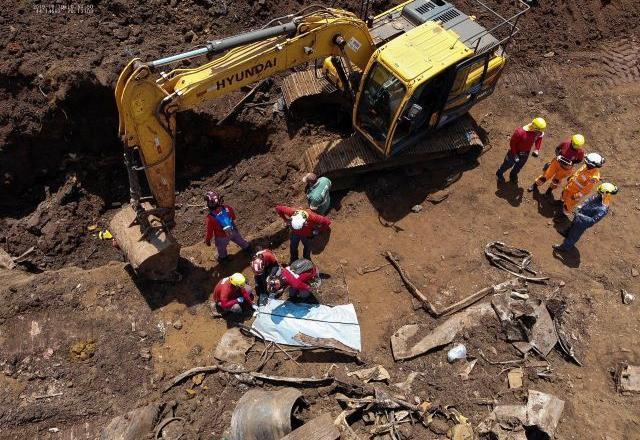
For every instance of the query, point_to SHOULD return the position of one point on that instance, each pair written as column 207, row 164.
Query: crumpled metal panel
column 264, row 415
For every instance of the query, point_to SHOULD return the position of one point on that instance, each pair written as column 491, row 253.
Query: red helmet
column 213, row 199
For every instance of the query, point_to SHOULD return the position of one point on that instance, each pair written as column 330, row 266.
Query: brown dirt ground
column 58, row 118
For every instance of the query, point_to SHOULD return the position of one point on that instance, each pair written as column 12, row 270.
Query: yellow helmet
column 237, row 279
column 577, row 140
column 539, row 124
column 607, row 188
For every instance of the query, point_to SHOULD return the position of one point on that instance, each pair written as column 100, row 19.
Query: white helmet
column 594, row 160
column 298, row 219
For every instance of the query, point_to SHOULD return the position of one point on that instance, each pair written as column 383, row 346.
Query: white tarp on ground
column 284, row 321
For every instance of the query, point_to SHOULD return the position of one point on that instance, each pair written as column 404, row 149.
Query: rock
column 145, row 353
column 628, row 378
column 549, row 54
column 627, row 298
column 416, row 208
column 344, row 262
column 177, row 325
column 121, row 33
column 515, row 378
column 634, row 272
column 134, row 425
column 189, row 36
column 439, row 426
column 82, row 350
column 460, row 432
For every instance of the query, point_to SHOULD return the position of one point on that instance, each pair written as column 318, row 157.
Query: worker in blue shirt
column 317, row 191
column 587, row 215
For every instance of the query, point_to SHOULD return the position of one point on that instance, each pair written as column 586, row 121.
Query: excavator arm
column 148, row 101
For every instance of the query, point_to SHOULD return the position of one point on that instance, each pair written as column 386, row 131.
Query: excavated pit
column 65, row 177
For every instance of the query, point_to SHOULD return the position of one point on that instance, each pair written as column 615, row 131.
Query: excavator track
column 351, row 156
column 303, row 84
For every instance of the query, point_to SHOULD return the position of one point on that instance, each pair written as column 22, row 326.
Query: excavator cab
column 419, row 82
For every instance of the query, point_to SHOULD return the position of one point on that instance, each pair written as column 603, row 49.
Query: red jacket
column 268, row 257
column 315, row 222
column 227, row 294
column 213, row 227
column 568, row 152
column 299, row 281
column 522, row 140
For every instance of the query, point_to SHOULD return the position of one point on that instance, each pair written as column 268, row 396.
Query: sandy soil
column 59, row 119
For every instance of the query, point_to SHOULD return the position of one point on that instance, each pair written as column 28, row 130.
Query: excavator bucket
column 153, row 256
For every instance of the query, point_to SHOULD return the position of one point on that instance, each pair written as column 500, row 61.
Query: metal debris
column 544, row 411
column 320, row 428
column 508, row 422
column 373, row 374
column 513, row 260
column 264, row 415
column 440, row 336
column 543, row 336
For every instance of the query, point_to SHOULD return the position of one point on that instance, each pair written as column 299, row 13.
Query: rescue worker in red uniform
column 232, row 295
column 305, row 225
column 522, row 140
column 301, row 277
column 264, row 264
column 568, row 154
column 220, row 225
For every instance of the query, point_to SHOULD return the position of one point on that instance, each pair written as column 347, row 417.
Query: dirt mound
column 57, row 227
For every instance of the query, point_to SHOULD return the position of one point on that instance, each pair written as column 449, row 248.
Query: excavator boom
column 147, row 103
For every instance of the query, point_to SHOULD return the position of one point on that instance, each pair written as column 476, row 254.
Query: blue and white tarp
column 281, row 321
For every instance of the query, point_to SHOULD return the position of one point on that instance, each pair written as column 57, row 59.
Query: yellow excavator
column 407, row 74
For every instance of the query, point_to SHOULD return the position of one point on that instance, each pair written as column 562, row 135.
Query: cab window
column 381, row 96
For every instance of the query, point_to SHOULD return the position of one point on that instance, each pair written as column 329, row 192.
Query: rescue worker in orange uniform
column 582, row 182
column 568, row 154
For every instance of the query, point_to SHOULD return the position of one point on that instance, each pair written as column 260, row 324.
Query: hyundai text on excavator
column 406, row 73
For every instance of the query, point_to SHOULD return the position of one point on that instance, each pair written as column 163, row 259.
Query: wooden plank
column 320, row 428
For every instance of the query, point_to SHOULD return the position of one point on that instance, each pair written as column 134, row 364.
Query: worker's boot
column 558, row 248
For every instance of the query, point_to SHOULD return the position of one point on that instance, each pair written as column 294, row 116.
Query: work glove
column 240, row 300
column 516, row 159
column 535, row 153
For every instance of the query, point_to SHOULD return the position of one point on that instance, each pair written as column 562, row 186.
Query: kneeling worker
column 317, row 191
column 232, row 295
column 587, row 215
column 264, row 264
column 301, row 277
